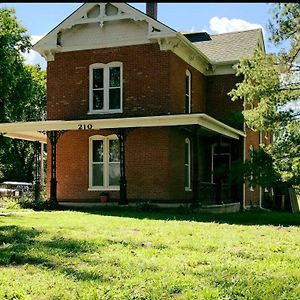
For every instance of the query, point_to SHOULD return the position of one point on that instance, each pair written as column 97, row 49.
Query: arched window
column 104, row 163
column 106, row 88
column 187, row 165
column 188, row 92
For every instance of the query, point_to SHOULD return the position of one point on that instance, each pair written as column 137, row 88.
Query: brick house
column 141, row 111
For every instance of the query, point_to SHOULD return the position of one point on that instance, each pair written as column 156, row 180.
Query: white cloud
column 32, row 57
column 222, row 25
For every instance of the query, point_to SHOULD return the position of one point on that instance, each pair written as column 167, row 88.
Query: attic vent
column 58, row 39
column 94, row 12
column 110, row 10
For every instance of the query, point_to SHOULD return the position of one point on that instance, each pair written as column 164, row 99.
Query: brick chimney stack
column 151, row 9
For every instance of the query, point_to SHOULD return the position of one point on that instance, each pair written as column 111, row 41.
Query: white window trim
column 189, row 75
column 105, row 186
column 251, row 148
column 213, row 146
column 188, row 142
column 105, row 67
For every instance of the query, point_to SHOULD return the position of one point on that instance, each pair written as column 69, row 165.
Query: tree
column 22, row 96
column 271, row 82
column 13, row 41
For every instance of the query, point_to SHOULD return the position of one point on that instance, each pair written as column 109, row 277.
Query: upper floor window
column 106, row 88
column 104, row 166
column 188, row 92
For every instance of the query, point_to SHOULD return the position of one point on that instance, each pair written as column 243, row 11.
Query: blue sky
column 40, row 18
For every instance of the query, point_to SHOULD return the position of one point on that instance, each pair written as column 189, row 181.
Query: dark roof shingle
column 232, row 46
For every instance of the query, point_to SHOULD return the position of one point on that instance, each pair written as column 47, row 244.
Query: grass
column 126, row 254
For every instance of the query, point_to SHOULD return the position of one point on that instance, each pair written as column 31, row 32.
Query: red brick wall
column 154, row 165
column 177, row 152
column 219, row 104
column 153, row 84
column 145, row 81
column 178, row 69
column 251, row 197
column 147, row 165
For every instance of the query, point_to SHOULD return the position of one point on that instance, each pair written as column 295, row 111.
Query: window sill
column 107, row 112
column 104, row 189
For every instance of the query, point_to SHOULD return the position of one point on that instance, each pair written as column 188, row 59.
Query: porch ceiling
column 34, row 131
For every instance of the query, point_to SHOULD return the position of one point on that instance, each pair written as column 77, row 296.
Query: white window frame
column 187, row 142
column 251, row 148
column 106, row 186
column 188, row 75
column 213, row 146
column 105, row 68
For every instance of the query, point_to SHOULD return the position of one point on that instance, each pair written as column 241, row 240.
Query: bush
column 25, row 202
column 148, row 207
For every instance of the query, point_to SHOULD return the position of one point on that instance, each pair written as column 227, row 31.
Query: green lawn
column 125, row 254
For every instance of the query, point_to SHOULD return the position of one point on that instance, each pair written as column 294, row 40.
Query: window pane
column 114, row 153
column 114, row 77
column 97, row 174
column 187, row 85
column 114, row 174
column 186, row 153
column 114, row 98
column 97, row 78
column 98, row 151
column 186, row 176
column 98, row 99
column 187, row 104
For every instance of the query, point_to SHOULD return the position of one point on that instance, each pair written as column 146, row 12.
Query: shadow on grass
column 21, row 246
column 251, row 217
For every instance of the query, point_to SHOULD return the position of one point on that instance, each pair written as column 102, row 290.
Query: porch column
column 218, row 178
column 196, row 167
column 123, row 181
column 37, row 185
column 53, row 137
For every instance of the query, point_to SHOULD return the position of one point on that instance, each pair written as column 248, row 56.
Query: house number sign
column 85, row 126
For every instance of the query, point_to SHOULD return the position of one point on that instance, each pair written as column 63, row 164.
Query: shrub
column 25, row 202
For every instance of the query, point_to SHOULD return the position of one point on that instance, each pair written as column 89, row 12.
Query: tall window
column 188, row 92
column 106, row 88
column 187, row 165
column 221, row 162
column 104, row 163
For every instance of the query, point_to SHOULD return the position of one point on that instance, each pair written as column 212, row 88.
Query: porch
column 197, row 124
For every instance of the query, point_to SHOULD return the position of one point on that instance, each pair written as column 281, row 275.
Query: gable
column 102, row 25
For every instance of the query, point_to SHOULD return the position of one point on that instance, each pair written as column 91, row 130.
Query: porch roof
column 34, row 131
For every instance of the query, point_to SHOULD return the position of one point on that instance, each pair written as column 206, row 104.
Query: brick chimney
column 151, row 9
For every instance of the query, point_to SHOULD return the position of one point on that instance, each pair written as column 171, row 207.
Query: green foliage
column 286, row 28
column 269, row 84
column 135, row 255
column 260, row 169
column 26, row 202
column 22, row 96
column 13, row 41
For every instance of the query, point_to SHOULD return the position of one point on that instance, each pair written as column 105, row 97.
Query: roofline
column 59, row 24
column 156, row 20
column 122, row 3
column 240, row 31
column 192, row 46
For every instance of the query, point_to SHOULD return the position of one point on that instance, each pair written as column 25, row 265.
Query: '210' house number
column 85, row 126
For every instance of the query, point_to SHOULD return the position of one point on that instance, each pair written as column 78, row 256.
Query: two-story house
column 140, row 110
